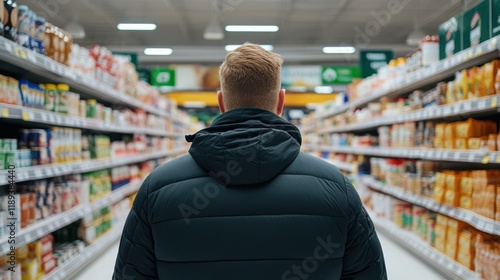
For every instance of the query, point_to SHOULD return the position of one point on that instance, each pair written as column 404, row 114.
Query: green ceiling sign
column 338, row 75
column 161, row 77
column 371, row 61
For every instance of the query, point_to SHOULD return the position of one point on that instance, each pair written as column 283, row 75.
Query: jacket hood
column 245, row 146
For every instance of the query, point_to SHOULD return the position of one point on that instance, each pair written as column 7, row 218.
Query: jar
column 430, row 50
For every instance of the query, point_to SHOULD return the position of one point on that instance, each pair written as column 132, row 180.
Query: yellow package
column 465, row 202
column 461, row 144
column 440, row 245
column 451, row 250
column 440, row 130
column 471, row 82
column 440, row 232
column 453, row 181
column 451, row 198
column 461, row 85
column 3, row 89
column 466, row 185
column 438, row 143
column 474, row 143
column 477, row 77
column 469, row 128
column 466, row 240
column 442, row 220
column 466, row 259
column 450, row 93
column 489, row 74
column 438, row 194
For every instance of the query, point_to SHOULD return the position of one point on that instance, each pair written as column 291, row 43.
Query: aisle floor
column 401, row 265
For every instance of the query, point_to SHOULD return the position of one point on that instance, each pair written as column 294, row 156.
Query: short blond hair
column 250, row 76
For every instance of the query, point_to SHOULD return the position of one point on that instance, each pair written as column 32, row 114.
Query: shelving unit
column 479, row 222
column 53, row 223
column 47, row 171
column 34, row 116
column 16, row 60
column 70, row 268
column 425, row 252
column 47, row 68
column 467, row 108
column 420, row 79
column 433, row 74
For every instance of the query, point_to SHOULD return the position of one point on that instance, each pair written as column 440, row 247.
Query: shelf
column 466, row 108
column 431, row 75
column 55, row 222
column 90, row 253
column 15, row 113
column 470, row 156
column 349, row 167
column 479, row 222
column 432, row 257
column 47, row 68
column 48, row 171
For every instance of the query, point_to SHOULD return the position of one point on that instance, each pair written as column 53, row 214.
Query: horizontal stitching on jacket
column 259, row 260
column 308, row 175
column 256, row 215
column 188, row 179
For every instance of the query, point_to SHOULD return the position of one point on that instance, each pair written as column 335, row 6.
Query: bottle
column 62, row 105
column 430, row 49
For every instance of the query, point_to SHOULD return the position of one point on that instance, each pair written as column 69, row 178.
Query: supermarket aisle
column 401, row 265
column 102, row 267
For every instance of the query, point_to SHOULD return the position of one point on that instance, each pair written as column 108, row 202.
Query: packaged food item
column 476, row 24
column 10, row 20
column 13, row 91
column 63, row 104
column 24, row 25
column 490, row 71
column 450, row 37
column 51, row 97
column 430, row 49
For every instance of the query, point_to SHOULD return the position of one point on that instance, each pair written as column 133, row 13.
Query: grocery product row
column 37, row 46
column 56, row 103
column 473, row 254
column 363, row 92
column 472, row 92
column 53, row 255
column 34, row 147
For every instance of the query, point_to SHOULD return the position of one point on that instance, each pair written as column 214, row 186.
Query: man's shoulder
column 308, row 165
column 180, row 169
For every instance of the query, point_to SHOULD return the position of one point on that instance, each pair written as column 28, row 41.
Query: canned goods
column 24, row 138
column 9, row 145
column 10, row 159
column 37, row 138
column 39, row 156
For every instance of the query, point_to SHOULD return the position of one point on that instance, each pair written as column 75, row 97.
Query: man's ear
column 281, row 102
column 220, row 100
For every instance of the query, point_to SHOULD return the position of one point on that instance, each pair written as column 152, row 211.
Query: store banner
column 339, row 75
column 196, row 77
column 301, row 76
column 372, row 60
column 161, row 77
column 132, row 57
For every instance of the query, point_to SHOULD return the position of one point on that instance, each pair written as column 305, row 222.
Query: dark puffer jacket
column 246, row 204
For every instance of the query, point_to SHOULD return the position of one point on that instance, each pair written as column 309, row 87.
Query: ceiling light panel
column 137, row 26
column 252, row 28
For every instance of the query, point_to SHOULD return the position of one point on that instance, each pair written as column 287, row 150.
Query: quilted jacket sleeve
column 363, row 258
column 136, row 257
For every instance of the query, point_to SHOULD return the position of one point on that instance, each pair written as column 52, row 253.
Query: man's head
column 250, row 76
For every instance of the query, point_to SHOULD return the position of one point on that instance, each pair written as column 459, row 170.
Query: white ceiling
column 306, row 26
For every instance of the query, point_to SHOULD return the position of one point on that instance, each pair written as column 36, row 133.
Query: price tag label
column 479, row 52
column 486, row 159
column 494, row 102
column 469, row 55
column 39, row 232
column 43, row 117
column 38, row 173
column 26, row 116
column 5, row 112
column 20, row 53
column 498, row 158
column 482, row 104
column 471, row 157
column 493, row 42
column 456, row 156
column 467, row 106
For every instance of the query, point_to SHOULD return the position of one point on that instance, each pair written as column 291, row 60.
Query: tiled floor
column 401, row 265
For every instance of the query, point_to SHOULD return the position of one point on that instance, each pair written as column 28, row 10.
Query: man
column 245, row 203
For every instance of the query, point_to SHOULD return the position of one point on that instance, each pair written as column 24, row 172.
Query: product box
column 476, row 24
column 495, row 18
column 450, row 37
